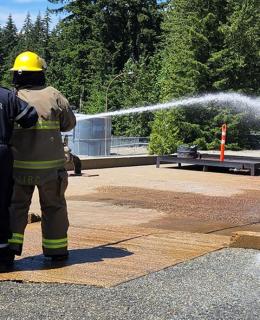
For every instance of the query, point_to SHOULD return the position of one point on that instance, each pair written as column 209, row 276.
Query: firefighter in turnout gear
column 39, row 159
column 12, row 110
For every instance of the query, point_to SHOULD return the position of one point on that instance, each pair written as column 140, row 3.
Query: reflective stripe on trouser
column 54, row 213
column 19, row 209
column 16, row 242
column 55, row 244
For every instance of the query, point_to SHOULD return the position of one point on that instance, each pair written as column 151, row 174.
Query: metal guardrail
column 128, row 140
column 129, row 145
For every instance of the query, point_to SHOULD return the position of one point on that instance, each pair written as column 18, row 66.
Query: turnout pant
column 6, row 185
column 54, row 215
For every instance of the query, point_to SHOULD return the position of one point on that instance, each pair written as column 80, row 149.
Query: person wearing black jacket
column 12, row 110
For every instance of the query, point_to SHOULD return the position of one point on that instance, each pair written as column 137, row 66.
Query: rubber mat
column 109, row 256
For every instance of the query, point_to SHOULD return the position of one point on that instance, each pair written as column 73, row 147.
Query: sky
column 19, row 9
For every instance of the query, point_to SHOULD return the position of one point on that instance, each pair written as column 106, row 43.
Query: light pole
column 106, row 105
column 109, row 85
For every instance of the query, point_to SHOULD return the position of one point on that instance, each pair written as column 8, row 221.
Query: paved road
column 223, row 285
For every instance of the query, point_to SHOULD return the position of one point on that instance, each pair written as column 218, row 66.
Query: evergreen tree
column 35, row 36
column 25, row 39
column 192, row 59
column 191, row 35
column 10, row 36
column 137, row 87
column 46, row 36
column 126, row 29
column 237, row 64
column 9, row 40
column 32, row 37
column 71, row 67
column 1, row 50
column 38, row 35
column 104, row 34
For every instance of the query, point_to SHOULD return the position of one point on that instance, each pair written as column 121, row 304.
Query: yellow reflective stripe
column 42, row 125
column 54, row 240
column 55, row 243
column 55, row 246
column 15, row 241
column 18, row 235
column 16, row 238
column 48, row 122
column 39, row 164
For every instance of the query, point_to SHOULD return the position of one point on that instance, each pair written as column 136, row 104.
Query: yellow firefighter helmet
column 28, row 61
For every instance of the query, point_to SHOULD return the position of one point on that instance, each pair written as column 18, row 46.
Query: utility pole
column 81, row 98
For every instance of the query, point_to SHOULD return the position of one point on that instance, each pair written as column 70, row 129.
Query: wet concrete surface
column 165, row 198
column 185, row 211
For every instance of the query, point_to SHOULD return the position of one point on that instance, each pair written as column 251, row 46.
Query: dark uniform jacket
column 13, row 109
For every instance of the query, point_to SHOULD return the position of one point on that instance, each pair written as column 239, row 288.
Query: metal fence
column 129, row 145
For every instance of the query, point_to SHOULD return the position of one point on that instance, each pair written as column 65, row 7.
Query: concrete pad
column 114, row 161
column 252, row 227
column 87, row 214
column 245, row 239
column 165, row 198
column 109, row 256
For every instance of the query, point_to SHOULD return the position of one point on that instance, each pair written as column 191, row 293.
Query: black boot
column 6, row 259
column 58, row 257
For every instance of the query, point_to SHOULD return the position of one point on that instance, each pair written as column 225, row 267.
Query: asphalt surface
column 219, row 286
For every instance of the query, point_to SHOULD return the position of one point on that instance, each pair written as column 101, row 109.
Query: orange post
column 223, row 142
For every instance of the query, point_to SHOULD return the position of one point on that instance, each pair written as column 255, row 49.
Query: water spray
column 239, row 101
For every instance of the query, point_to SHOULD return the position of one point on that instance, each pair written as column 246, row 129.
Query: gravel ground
column 219, row 286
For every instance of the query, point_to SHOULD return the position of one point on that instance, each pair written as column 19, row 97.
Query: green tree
column 32, row 37
column 237, row 64
column 203, row 51
column 35, row 36
column 101, row 36
column 9, row 40
column 25, row 38
column 137, row 89
column 191, row 35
